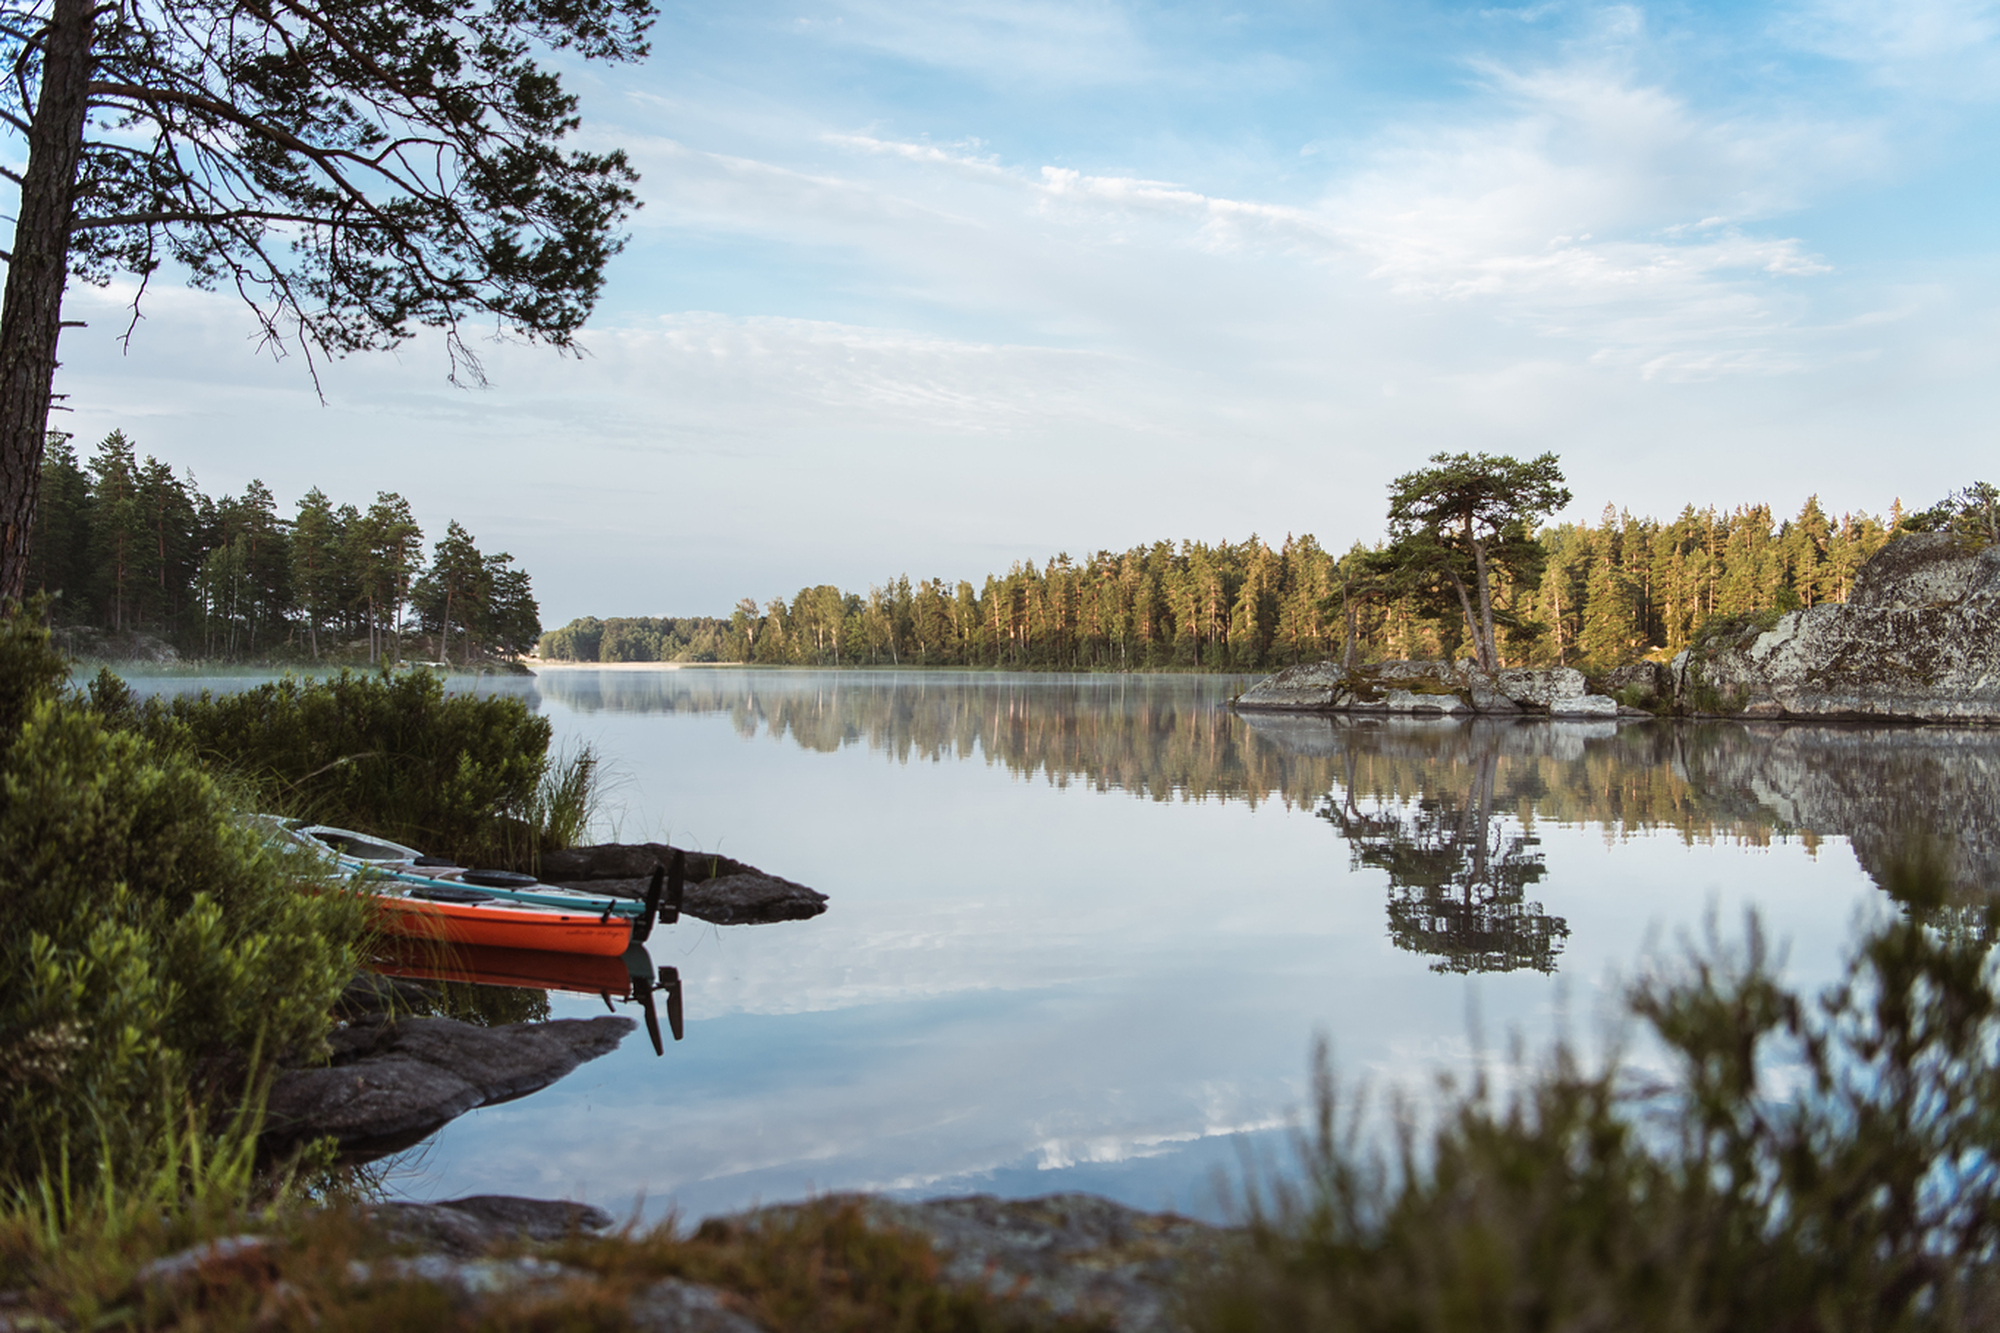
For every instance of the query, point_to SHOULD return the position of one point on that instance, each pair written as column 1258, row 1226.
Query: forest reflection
column 1448, row 808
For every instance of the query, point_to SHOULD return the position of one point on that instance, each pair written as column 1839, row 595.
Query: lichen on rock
column 1919, row 640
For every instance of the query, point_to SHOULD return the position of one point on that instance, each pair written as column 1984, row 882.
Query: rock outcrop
column 392, row 1082
column 1917, row 640
column 1071, row 1254
column 1434, row 688
column 1064, row 1260
column 720, row 890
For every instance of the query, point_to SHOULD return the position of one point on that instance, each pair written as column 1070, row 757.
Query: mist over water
column 1084, row 929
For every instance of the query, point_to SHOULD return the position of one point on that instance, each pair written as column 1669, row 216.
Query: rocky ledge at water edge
column 1066, row 1254
column 719, row 890
column 1430, row 688
column 393, row 1080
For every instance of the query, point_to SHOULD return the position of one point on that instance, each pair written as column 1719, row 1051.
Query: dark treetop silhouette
column 351, row 169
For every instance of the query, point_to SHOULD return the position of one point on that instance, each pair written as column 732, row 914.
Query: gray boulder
column 1309, row 685
column 467, row 1228
column 1546, row 689
column 392, row 1083
column 1406, row 701
column 1918, row 640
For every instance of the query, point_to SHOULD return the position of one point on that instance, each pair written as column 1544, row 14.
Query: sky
column 928, row 289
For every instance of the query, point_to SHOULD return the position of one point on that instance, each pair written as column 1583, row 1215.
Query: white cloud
column 1936, row 47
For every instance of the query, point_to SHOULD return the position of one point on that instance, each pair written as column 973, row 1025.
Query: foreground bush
column 158, row 958
column 454, row 775
column 1818, row 1164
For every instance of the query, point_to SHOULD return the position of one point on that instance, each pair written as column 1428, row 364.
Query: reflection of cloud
column 1059, row 1154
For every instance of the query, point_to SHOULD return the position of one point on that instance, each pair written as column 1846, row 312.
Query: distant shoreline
column 538, row 666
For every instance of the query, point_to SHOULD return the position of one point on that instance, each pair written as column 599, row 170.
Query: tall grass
column 566, row 800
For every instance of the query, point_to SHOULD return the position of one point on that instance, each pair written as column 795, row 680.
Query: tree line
column 124, row 546
column 1575, row 594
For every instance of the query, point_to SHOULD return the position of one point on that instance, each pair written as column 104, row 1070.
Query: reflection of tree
column 1457, row 877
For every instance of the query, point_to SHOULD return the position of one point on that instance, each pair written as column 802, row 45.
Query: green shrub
column 1813, row 1164
column 158, row 957
column 391, row 755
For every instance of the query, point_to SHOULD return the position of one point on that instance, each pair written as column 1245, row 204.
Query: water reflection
column 1158, row 736
column 1168, row 737
column 491, row 986
column 1449, row 811
column 1458, row 875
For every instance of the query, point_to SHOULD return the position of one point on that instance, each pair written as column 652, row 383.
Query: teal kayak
column 437, row 877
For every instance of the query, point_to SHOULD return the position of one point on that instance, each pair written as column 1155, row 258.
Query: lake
column 1084, row 930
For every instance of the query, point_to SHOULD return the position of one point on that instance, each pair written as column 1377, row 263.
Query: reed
column 566, row 800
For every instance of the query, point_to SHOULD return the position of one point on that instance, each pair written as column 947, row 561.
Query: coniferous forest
column 124, row 550
column 1604, row 593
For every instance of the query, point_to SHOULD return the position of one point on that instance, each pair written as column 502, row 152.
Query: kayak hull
column 500, row 926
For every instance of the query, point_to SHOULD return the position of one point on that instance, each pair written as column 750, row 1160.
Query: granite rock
column 718, row 889
column 393, row 1082
column 1309, row 685
column 1918, row 640
column 469, row 1227
column 1419, row 687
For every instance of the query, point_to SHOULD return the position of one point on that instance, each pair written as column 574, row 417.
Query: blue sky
column 932, row 288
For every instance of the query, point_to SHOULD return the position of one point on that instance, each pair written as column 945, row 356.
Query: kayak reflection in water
column 629, row 978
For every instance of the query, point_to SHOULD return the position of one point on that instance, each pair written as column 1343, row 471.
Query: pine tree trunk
column 1483, row 645
column 31, row 311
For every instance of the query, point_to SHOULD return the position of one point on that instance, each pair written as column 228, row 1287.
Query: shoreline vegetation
column 135, row 564
column 163, row 959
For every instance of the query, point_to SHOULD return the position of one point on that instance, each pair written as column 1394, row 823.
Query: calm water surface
column 1083, row 930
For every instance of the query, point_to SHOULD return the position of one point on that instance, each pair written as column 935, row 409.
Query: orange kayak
column 501, row 924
